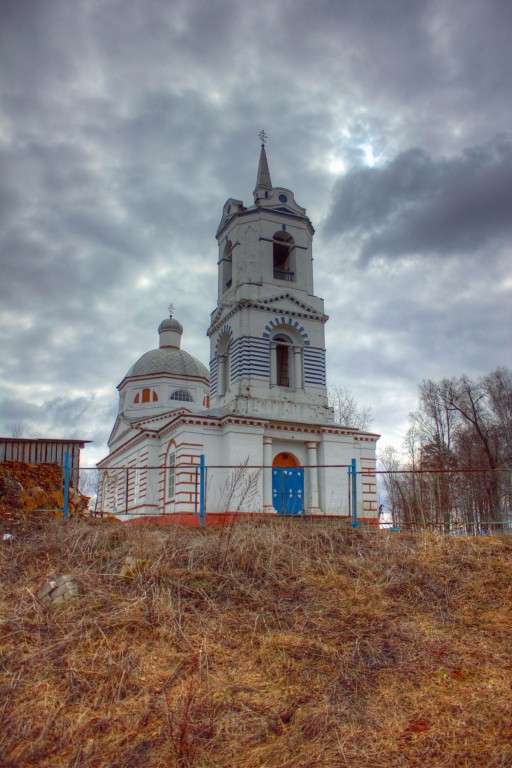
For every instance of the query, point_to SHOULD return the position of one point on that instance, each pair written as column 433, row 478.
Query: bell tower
column 267, row 341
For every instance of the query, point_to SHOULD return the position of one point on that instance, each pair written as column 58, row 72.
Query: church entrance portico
column 287, row 485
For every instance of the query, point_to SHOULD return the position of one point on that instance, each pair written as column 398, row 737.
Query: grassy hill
column 260, row 644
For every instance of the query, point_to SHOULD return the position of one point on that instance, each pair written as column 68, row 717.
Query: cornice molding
column 304, row 311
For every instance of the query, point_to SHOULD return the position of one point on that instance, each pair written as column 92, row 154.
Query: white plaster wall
column 234, row 446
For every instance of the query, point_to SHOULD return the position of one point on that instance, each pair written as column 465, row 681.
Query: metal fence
column 455, row 502
column 201, row 490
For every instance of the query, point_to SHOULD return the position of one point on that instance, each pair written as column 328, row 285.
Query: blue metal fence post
column 354, row 493
column 202, row 470
column 67, row 464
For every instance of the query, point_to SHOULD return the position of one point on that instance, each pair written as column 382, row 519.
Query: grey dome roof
column 168, row 360
column 170, row 324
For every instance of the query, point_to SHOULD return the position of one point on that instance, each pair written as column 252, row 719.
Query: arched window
column 223, row 364
column 227, row 266
column 146, row 396
column 171, row 475
column 183, row 395
column 286, row 361
column 283, row 256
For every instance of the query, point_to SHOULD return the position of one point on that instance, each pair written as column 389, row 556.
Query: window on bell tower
column 227, row 266
column 286, row 361
column 283, row 361
column 284, row 256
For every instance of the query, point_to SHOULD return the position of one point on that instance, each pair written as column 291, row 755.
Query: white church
column 258, row 419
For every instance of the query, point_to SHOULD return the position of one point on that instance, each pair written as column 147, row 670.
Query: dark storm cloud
column 72, row 416
column 124, row 126
column 418, row 205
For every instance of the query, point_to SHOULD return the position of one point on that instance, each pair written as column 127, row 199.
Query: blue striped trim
column 282, row 320
column 249, row 356
column 314, row 367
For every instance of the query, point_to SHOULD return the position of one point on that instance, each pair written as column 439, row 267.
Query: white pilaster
column 267, row 475
column 297, row 367
column 273, row 364
column 314, row 507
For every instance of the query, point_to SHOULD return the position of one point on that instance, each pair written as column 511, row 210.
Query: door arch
column 285, row 459
column 287, row 484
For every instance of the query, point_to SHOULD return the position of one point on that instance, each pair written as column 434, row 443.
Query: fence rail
column 195, row 488
column 456, row 502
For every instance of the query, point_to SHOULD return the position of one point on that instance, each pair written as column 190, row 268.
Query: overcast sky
column 126, row 124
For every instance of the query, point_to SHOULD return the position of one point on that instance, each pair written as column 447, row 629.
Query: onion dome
column 169, row 358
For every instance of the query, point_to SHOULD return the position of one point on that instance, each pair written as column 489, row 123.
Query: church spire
column 263, row 180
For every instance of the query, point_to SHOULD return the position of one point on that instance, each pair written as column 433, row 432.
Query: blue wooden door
column 288, row 490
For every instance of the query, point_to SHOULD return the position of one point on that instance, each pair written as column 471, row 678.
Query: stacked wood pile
column 36, row 487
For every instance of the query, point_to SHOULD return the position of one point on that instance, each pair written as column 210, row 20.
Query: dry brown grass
column 285, row 645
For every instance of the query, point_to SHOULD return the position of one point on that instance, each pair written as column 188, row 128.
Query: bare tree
column 394, row 491
column 89, row 485
column 461, row 425
column 347, row 410
column 478, row 404
column 497, row 386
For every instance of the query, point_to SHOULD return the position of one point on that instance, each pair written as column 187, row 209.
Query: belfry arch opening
column 283, row 253
column 286, row 362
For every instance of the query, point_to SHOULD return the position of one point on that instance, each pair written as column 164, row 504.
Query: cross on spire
column 263, row 182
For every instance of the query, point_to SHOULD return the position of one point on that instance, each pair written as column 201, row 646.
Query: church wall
column 236, row 445
column 187, row 443
column 127, row 481
column 227, row 447
column 341, row 449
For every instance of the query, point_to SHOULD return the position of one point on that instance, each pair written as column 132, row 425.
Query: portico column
column 314, row 506
column 297, row 367
column 267, row 475
column 273, row 363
